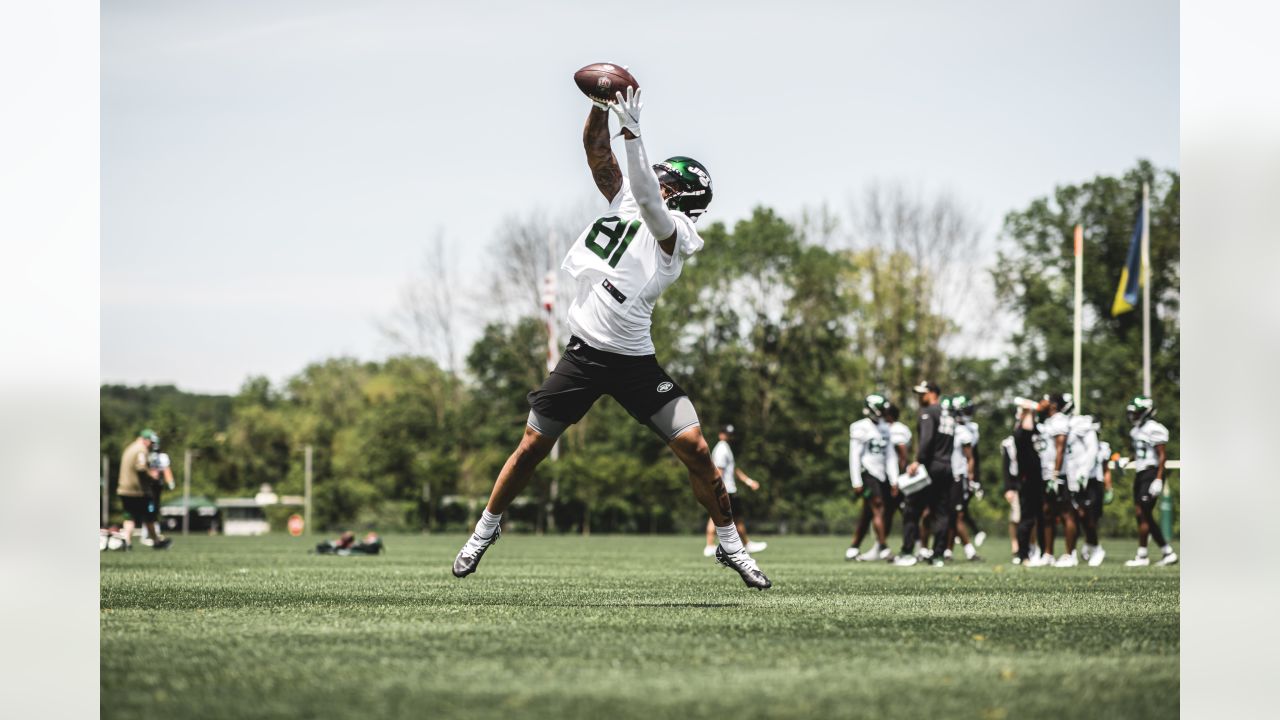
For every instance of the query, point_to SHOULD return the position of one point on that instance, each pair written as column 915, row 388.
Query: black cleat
column 469, row 556
column 162, row 544
column 746, row 567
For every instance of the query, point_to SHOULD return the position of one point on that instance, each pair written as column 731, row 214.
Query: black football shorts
column 139, row 509
column 584, row 373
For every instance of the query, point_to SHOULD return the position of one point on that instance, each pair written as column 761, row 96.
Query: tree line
column 777, row 326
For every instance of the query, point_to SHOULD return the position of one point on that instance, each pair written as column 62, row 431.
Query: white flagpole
column 1146, row 291
column 1079, row 319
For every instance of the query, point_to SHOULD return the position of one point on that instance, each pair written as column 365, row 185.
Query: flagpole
column 1146, row 291
column 1079, row 319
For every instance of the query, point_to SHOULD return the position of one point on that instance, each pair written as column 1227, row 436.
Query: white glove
column 627, row 108
column 1156, row 486
column 170, row 485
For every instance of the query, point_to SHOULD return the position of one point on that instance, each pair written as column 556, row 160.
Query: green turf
column 626, row 627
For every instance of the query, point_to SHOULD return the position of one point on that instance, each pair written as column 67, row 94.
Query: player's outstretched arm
column 600, row 157
column 644, row 184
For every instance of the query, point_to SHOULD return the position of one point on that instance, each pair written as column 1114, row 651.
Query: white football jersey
column 1050, row 430
column 868, row 445
column 1082, row 449
column 159, row 461
column 621, row 270
column 899, row 434
column 1145, row 439
column 1010, row 451
column 722, row 457
column 1104, row 457
column 966, row 434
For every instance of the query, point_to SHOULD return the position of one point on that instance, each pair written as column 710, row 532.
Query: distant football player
column 622, row 262
column 900, row 445
column 1031, row 485
column 1149, row 440
column 722, row 456
column 933, row 453
column 1084, row 460
column 873, row 474
column 1054, row 428
column 1012, row 483
column 964, row 469
column 163, row 478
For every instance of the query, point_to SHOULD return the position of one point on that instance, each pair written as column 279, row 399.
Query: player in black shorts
column 621, row 264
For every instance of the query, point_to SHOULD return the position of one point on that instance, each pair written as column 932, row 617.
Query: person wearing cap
column 135, row 474
column 722, row 458
column 933, row 453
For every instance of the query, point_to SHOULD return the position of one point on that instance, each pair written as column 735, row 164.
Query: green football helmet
column 961, row 406
column 875, row 406
column 1140, row 409
column 688, row 184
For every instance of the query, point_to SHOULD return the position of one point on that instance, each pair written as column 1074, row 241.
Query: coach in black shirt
column 936, row 431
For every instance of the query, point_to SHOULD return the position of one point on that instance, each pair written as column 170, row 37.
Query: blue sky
column 272, row 170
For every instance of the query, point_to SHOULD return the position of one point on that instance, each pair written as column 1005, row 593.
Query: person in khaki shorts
column 135, row 475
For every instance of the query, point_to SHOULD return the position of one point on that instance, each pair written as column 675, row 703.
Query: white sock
column 970, row 550
column 1142, row 552
column 729, row 539
column 487, row 524
column 1166, row 549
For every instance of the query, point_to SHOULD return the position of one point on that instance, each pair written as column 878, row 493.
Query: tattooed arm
column 604, row 166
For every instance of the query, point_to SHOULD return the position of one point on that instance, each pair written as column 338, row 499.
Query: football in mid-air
column 602, row 81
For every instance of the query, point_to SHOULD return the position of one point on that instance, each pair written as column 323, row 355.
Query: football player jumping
column 1149, row 440
column 622, row 263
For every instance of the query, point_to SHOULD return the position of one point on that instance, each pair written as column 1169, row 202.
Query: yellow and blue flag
column 1131, row 275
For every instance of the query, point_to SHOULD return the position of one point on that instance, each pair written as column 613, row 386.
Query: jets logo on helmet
column 688, row 185
column 875, row 406
column 1140, row 409
column 961, row 406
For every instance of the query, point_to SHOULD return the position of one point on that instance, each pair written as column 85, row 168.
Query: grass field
column 626, row 627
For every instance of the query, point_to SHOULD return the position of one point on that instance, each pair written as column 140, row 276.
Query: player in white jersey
column 1084, row 460
column 622, row 262
column 162, row 478
column 1054, row 428
column 1149, row 440
column 900, row 444
column 722, row 456
column 873, row 474
column 964, row 459
column 1012, row 483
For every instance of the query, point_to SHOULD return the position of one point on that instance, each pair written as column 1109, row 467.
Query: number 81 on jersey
column 619, row 233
